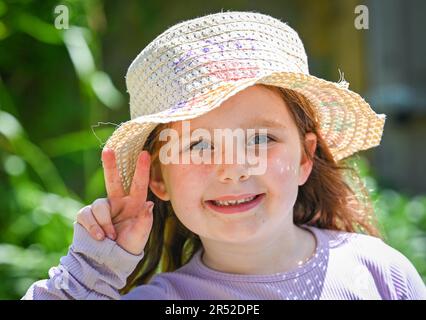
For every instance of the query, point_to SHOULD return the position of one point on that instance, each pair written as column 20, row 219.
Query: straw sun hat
column 195, row 65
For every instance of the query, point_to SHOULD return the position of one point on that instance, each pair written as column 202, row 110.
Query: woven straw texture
column 195, row 65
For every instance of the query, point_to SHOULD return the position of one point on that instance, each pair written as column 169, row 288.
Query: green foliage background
column 55, row 88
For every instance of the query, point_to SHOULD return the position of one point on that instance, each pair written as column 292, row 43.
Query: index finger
column 113, row 184
column 140, row 181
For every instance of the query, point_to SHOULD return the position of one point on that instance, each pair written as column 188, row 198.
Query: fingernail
column 144, row 156
column 150, row 206
column 111, row 236
column 99, row 235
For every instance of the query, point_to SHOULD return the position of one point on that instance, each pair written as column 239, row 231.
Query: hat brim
column 347, row 122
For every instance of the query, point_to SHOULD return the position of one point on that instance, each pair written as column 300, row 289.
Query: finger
column 113, row 184
column 140, row 181
column 144, row 210
column 87, row 220
column 102, row 213
column 144, row 220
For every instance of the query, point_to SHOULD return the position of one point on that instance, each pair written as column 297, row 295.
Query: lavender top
column 344, row 266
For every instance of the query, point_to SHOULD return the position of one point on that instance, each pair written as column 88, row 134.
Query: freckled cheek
column 189, row 179
column 282, row 165
column 196, row 173
column 282, row 180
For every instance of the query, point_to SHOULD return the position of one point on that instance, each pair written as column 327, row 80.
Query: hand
column 127, row 219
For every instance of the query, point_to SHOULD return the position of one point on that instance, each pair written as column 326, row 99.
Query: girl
column 301, row 229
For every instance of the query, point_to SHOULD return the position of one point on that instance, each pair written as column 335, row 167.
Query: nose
column 232, row 173
column 233, row 165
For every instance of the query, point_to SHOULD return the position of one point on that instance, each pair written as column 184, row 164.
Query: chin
column 237, row 234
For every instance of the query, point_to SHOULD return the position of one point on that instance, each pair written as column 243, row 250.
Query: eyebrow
column 267, row 123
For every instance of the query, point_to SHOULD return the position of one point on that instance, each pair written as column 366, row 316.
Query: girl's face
column 189, row 186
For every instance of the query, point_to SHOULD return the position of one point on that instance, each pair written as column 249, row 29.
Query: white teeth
column 232, row 202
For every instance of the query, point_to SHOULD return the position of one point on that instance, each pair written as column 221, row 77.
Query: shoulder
column 173, row 285
column 357, row 242
column 158, row 288
column 186, row 282
column 368, row 247
column 386, row 263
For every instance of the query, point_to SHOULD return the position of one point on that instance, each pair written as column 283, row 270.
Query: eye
column 199, row 145
column 260, row 138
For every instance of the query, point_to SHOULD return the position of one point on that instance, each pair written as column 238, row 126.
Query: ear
column 157, row 185
column 305, row 162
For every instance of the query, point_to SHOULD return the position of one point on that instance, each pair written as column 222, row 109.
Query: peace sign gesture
column 127, row 219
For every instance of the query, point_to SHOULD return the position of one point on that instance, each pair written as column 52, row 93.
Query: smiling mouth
column 235, row 206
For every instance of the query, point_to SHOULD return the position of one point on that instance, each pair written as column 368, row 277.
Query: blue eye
column 261, row 138
column 201, row 143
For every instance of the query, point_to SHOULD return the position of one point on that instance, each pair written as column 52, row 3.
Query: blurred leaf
column 11, row 128
column 37, row 28
column 79, row 52
column 75, row 141
column 105, row 90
